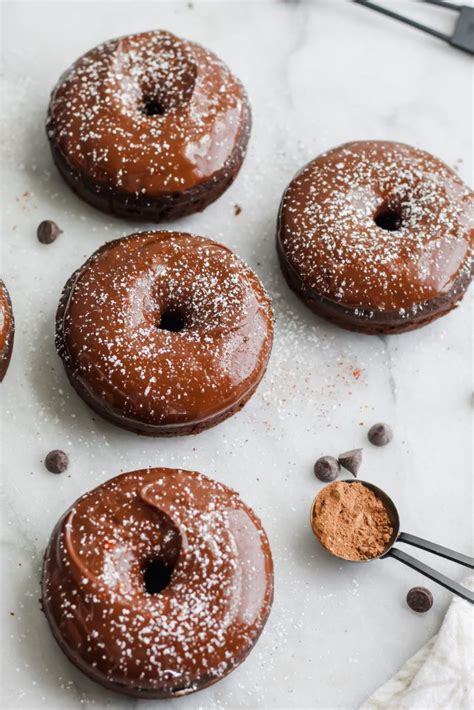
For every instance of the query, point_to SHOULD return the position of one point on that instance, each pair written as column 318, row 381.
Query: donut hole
column 156, row 576
column 388, row 217
column 166, row 83
column 152, row 106
column 172, row 320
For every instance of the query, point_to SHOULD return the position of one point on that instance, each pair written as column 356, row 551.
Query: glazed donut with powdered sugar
column 377, row 237
column 158, row 583
column 165, row 333
column 149, row 126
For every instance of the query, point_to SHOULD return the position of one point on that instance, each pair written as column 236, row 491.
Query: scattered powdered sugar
column 379, row 226
column 166, row 327
column 205, row 620
column 309, row 388
column 147, row 112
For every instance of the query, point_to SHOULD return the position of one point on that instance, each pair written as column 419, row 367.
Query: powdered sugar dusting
column 114, row 339
column 202, row 624
column 147, row 113
column 331, row 233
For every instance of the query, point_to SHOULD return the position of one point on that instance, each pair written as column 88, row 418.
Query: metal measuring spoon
column 397, row 536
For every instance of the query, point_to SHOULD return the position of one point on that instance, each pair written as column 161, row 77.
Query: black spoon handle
column 447, row 5
column 402, row 18
column 437, row 549
column 431, row 573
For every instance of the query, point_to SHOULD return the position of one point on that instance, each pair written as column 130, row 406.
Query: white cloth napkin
column 441, row 674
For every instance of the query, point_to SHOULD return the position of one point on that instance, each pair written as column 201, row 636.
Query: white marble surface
column 318, row 74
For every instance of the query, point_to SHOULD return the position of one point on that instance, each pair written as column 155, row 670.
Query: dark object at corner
column 463, row 35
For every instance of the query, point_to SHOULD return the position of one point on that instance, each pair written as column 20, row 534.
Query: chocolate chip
column 380, row 434
column 351, row 460
column 326, row 468
column 237, row 210
column 48, row 231
column 420, row 599
column 56, row 461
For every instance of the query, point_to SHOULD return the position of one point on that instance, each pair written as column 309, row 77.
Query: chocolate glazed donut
column 7, row 330
column 164, row 333
column 377, row 237
column 149, row 127
column 158, row 583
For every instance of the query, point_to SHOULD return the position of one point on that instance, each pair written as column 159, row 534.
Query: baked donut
column 7, row 330
column 149, row 127
column 158, row 583
column 377, row 236
column 164, row 333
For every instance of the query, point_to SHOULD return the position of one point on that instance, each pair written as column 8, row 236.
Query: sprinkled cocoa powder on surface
column 351, row 522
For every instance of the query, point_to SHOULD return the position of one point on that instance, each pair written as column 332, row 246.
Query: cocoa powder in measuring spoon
column 351, row 522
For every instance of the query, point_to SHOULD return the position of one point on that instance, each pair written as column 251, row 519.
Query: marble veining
column 318, row 74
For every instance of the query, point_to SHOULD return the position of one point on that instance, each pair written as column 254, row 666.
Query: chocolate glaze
column 149, row 379
column 199, row 627
column 372, row 322
column 352, row 271
column 7, row 330
column 123, row 160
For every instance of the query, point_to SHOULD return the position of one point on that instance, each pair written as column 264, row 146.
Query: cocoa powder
column 351, row 521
